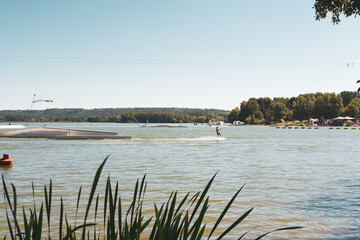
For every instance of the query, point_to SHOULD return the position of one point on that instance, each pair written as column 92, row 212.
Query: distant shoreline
column 124, row 115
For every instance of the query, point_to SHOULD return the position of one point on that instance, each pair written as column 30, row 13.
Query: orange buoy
column 6, row 160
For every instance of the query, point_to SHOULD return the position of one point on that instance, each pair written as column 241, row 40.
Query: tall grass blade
column 157, row 226
column 108, row 234
column 167, row 216
column 182, row 203
column 201, row 233
column 12, row 206
column 96, row 206
column 39, row 223
column 34, row 214
column 48, row 203
column 14, row 212
column 113, row 212
column 26, row 225
column 202, row 197
column 33, row 191
column 106, row 198
column 120, row 218
column 142, row 187
column 175, row 227
column 196, row 227
column 139, row 218
column 111, row 219
column 163, row 219
column 145, row 225
column 31, row 223
column 83, row 226
column 6, row 193
column 70, row 232
column 280, row 229
column 61, row 218
column 239, row 220
column 134, row 202
column 225, row 211
column 126, row 231
column 116, row 194
column 34, row 224
column 68, row 228
column 14, row 200
column 246, row 233
column 77, row 203
column 10, row 227
column 49, row 210
column 93, row 188
column 186, row 226
column 171, row 211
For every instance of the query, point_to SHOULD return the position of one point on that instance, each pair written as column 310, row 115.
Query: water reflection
column 341, row 205
column 6, row 167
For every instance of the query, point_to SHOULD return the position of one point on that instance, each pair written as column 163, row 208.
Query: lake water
column 293, row 177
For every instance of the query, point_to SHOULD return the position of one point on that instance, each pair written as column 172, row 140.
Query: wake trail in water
column 203, row 138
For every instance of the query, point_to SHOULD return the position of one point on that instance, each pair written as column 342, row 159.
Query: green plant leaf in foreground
column 93, row 188
column 225, row 211
column 280, row 229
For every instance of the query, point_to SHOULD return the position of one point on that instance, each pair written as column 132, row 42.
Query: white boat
column 62, row 133
column 9, row 126
column 216, row 123
column 237, row 123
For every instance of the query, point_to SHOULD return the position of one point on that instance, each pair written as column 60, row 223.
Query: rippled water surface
column 293, row 177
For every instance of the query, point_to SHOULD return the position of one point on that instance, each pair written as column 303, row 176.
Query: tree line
column 312, row 105
column 132, row 117
column 121, row 115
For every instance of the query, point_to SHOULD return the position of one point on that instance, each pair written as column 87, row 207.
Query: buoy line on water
column 297, row 127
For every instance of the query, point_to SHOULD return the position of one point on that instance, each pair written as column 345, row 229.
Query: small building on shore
column 314, row 121
column 341, row 121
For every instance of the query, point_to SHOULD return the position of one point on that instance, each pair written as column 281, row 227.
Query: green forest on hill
column 311, row 105
column 122, row 115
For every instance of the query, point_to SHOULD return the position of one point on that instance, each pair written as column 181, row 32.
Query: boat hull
column 6, row 162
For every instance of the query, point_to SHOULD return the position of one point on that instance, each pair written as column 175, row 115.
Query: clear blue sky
column 140, row 53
